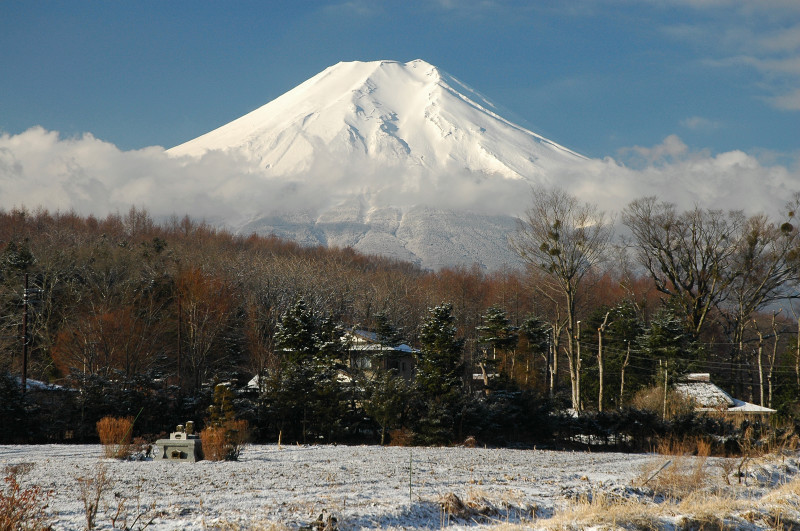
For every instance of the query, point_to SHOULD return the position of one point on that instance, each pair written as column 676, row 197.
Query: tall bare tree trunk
column 760, row 365
column 600, row 361
column 622, row 374
column 797, row 357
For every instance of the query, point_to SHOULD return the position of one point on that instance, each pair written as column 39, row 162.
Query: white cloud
column 763, row 36
column 789, row 101
column 38, row 168
column 670, row 148
column 699, row 123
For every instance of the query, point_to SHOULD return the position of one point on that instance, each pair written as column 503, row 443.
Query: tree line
column 143, row 317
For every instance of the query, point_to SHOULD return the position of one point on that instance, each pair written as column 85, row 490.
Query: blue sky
column 599, row 77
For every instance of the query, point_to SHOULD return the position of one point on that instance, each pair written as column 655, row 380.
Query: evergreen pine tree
column 387, row 397
column 304, row 394
column 221, row 409
column 438, row 379
column 497, row 337
column 668, row 340
column 439, row 360
column 387, row 333
column 296, row 338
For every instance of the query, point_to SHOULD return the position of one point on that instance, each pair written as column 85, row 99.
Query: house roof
column 365, row 340
column 710, row 397
column 40, row 386
column 705, row 394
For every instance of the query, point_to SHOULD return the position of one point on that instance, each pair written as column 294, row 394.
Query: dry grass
column 225, row 442
column 115, row 436
column 691, row 500
column 254, row 526
column 90, row 491
column 685, row 472
column 695, row 512
column 214, row 444
column 603, row 512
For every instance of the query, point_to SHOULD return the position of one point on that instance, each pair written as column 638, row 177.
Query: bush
column 401, row 437
column 22, row 509
column 226, row 441
column 115, row 436
column 652, row 399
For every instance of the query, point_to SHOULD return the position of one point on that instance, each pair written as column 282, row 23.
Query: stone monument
column 183, row 445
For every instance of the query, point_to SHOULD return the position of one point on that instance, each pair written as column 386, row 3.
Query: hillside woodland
column 128, row 317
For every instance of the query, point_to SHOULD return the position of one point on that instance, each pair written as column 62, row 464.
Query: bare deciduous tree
column 687, row 254
column 764, row 270
column 565, row 239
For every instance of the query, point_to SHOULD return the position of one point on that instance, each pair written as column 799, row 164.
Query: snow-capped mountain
column 398, row 159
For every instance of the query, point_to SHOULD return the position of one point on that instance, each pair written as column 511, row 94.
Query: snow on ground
column 363, row 487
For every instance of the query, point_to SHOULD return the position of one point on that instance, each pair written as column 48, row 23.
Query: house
column 711, row 399
column 367, row 353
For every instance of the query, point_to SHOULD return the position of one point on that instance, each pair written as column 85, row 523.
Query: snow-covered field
column 362, row 487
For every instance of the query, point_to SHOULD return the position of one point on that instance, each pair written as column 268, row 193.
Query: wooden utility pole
column 664, row 411
column 180, row 327
column 25, row 336
column 578, row 367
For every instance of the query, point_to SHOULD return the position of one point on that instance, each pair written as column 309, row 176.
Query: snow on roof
column 361, row 335
column 705, row 394
column 368, row 341
column 747, row 407
column 39, row 385
column 253, row 383
column 710, row 397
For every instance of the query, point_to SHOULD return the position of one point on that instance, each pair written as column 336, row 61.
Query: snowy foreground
column 362, row 487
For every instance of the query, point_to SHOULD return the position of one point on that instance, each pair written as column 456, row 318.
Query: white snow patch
column 364, row 487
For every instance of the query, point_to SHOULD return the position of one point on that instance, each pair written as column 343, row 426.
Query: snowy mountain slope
column 408, row 114
column 433, row 238
column 391, row 158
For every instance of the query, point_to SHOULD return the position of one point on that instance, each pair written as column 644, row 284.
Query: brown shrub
column 115, row 436
column 401, row 437
column 22, row 509
column 652, row 399
column 224, row 442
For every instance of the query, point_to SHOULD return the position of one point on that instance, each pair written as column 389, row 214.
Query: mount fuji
column 390, row 158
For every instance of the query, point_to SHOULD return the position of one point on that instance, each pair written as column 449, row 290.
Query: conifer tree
column 438, row 379
column 221, row 409
column 387, row 397
column 498, row 337
column 439, row 367
column 387, row 333
column 305, row 394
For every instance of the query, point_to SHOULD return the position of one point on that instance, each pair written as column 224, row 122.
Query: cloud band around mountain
column 39, row 168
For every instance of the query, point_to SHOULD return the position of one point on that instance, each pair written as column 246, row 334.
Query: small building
column 709, row 398
column 367, row 353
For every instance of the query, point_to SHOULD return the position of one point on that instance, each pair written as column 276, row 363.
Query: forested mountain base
column 132, row 318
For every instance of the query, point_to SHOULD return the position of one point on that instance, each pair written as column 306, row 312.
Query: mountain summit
column 399, row 114
column 390, row 158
